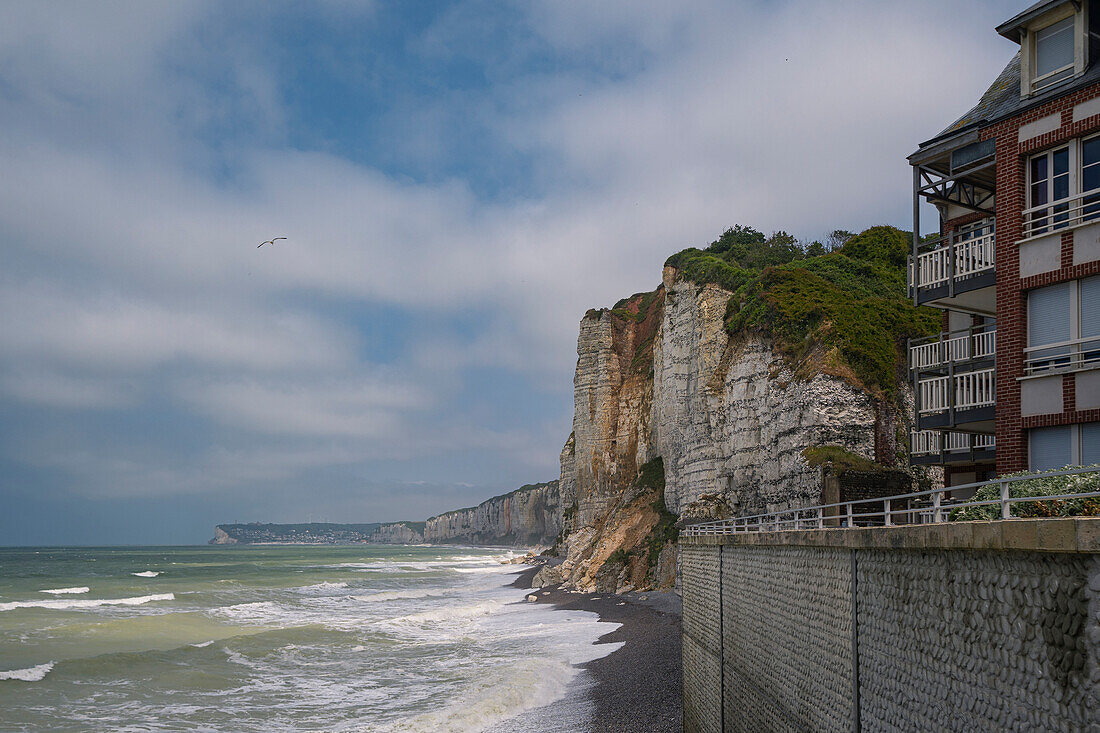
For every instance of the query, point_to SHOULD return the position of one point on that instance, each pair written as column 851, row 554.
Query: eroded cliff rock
column 529, row 516
column 729, row 411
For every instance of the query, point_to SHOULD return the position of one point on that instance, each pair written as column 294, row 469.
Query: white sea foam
column 61, row 604
column 30, row 674
column 201, row 644
column 503, row 693
column 147, row 574
column 64, row 591
column 323, row 587
column 399, row 595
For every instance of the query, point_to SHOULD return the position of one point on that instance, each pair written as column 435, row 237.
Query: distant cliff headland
column 526, row 517
column 758, row 365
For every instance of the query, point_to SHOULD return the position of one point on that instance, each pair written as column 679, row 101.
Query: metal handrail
column 1059, row 215
column 846, row 510
column 1074, row 358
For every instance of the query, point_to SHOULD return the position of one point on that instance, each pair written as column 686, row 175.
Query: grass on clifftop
column 851, row 302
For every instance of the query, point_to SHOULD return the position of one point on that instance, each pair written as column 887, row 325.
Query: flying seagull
column 269, row 241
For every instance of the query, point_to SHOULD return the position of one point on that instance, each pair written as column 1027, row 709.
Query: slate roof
column 1002, row 98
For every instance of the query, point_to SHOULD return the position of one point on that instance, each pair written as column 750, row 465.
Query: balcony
column 932, row 447
column 963, row 401
column 957, row 271
column 954, row 350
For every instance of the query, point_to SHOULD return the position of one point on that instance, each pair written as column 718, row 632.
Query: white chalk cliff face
column 662, row 377
column 529, row 516
column 730, row 417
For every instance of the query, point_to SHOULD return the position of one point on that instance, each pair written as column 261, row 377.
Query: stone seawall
column 979, row 626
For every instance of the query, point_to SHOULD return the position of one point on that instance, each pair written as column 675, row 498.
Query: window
column 1065, row 445
column 1090, row 178
column 1063, row 187
column 1048, row 323
column 1049, row 174
column 1051, row 448
column 1063, row 326
column 1053, row 54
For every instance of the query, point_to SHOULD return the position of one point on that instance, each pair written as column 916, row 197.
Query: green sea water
column 333, row 638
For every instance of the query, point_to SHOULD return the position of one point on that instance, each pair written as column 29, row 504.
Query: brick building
column 1013, row 381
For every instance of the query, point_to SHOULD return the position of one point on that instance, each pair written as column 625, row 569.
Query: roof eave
column 1010, row 29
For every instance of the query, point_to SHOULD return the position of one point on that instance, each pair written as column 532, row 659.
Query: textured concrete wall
column 944, row 639
column 783, row 607
column 700, row 580
column 974, row 641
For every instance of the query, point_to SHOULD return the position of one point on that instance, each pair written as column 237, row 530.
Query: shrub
column 852, row 301
column 619, row 557
column 842, row 459
column 1047, row 486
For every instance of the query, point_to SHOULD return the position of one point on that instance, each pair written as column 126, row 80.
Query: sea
column 280, row 637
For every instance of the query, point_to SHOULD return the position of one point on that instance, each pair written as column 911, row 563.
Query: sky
column 458, row 182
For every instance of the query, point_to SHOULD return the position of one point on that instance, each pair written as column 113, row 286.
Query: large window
column 1063, row 326
column 1063, row 187
column 1065, row 445
column 1053, row 60
column 1050, row 183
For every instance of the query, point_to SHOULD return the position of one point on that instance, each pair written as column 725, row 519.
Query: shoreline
column 637, row 687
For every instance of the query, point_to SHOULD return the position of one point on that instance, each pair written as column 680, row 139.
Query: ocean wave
column 63, row 604
column 147, row 574
column 442, row 624
column 64, row 591
column 321, row 587
column 503, row 693
column 399, row 595
column 30, row 674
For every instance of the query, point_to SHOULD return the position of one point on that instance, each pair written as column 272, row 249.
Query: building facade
column 1013, row 381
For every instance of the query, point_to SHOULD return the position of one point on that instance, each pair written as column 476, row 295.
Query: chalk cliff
column 529, row 516
column 728, row 410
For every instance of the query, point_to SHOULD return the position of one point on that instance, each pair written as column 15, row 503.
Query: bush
column 879, row 244
column 1049, row 486
column 851, row 301
column 619, row 557
column 841, row 459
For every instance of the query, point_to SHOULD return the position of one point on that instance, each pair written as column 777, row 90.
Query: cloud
column 528, row 162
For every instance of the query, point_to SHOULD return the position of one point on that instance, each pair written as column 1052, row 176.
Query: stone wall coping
column 1068, row 534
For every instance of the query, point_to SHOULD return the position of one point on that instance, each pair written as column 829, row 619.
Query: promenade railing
column 919, row 507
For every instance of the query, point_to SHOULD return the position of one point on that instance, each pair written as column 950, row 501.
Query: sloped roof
column 1002, row 99
column 1002, row 96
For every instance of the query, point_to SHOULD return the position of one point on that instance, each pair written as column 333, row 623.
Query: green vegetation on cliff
column 847, row 308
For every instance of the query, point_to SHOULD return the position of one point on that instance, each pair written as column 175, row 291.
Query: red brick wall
column 1011, row 291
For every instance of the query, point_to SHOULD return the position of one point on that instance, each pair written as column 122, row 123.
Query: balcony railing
column 960, row 392
column 1064, row 356
column 1066, row 213
column 952, row 258
column 929, row 442
column 956, row 347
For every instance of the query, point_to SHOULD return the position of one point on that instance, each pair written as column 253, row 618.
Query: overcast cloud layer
column 457, row 187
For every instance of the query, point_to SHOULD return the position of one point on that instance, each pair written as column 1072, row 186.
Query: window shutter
column 1050, row 448
column 1090, row 443
column 1048, row 315
column 1054, row 47
column 1090, row 307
